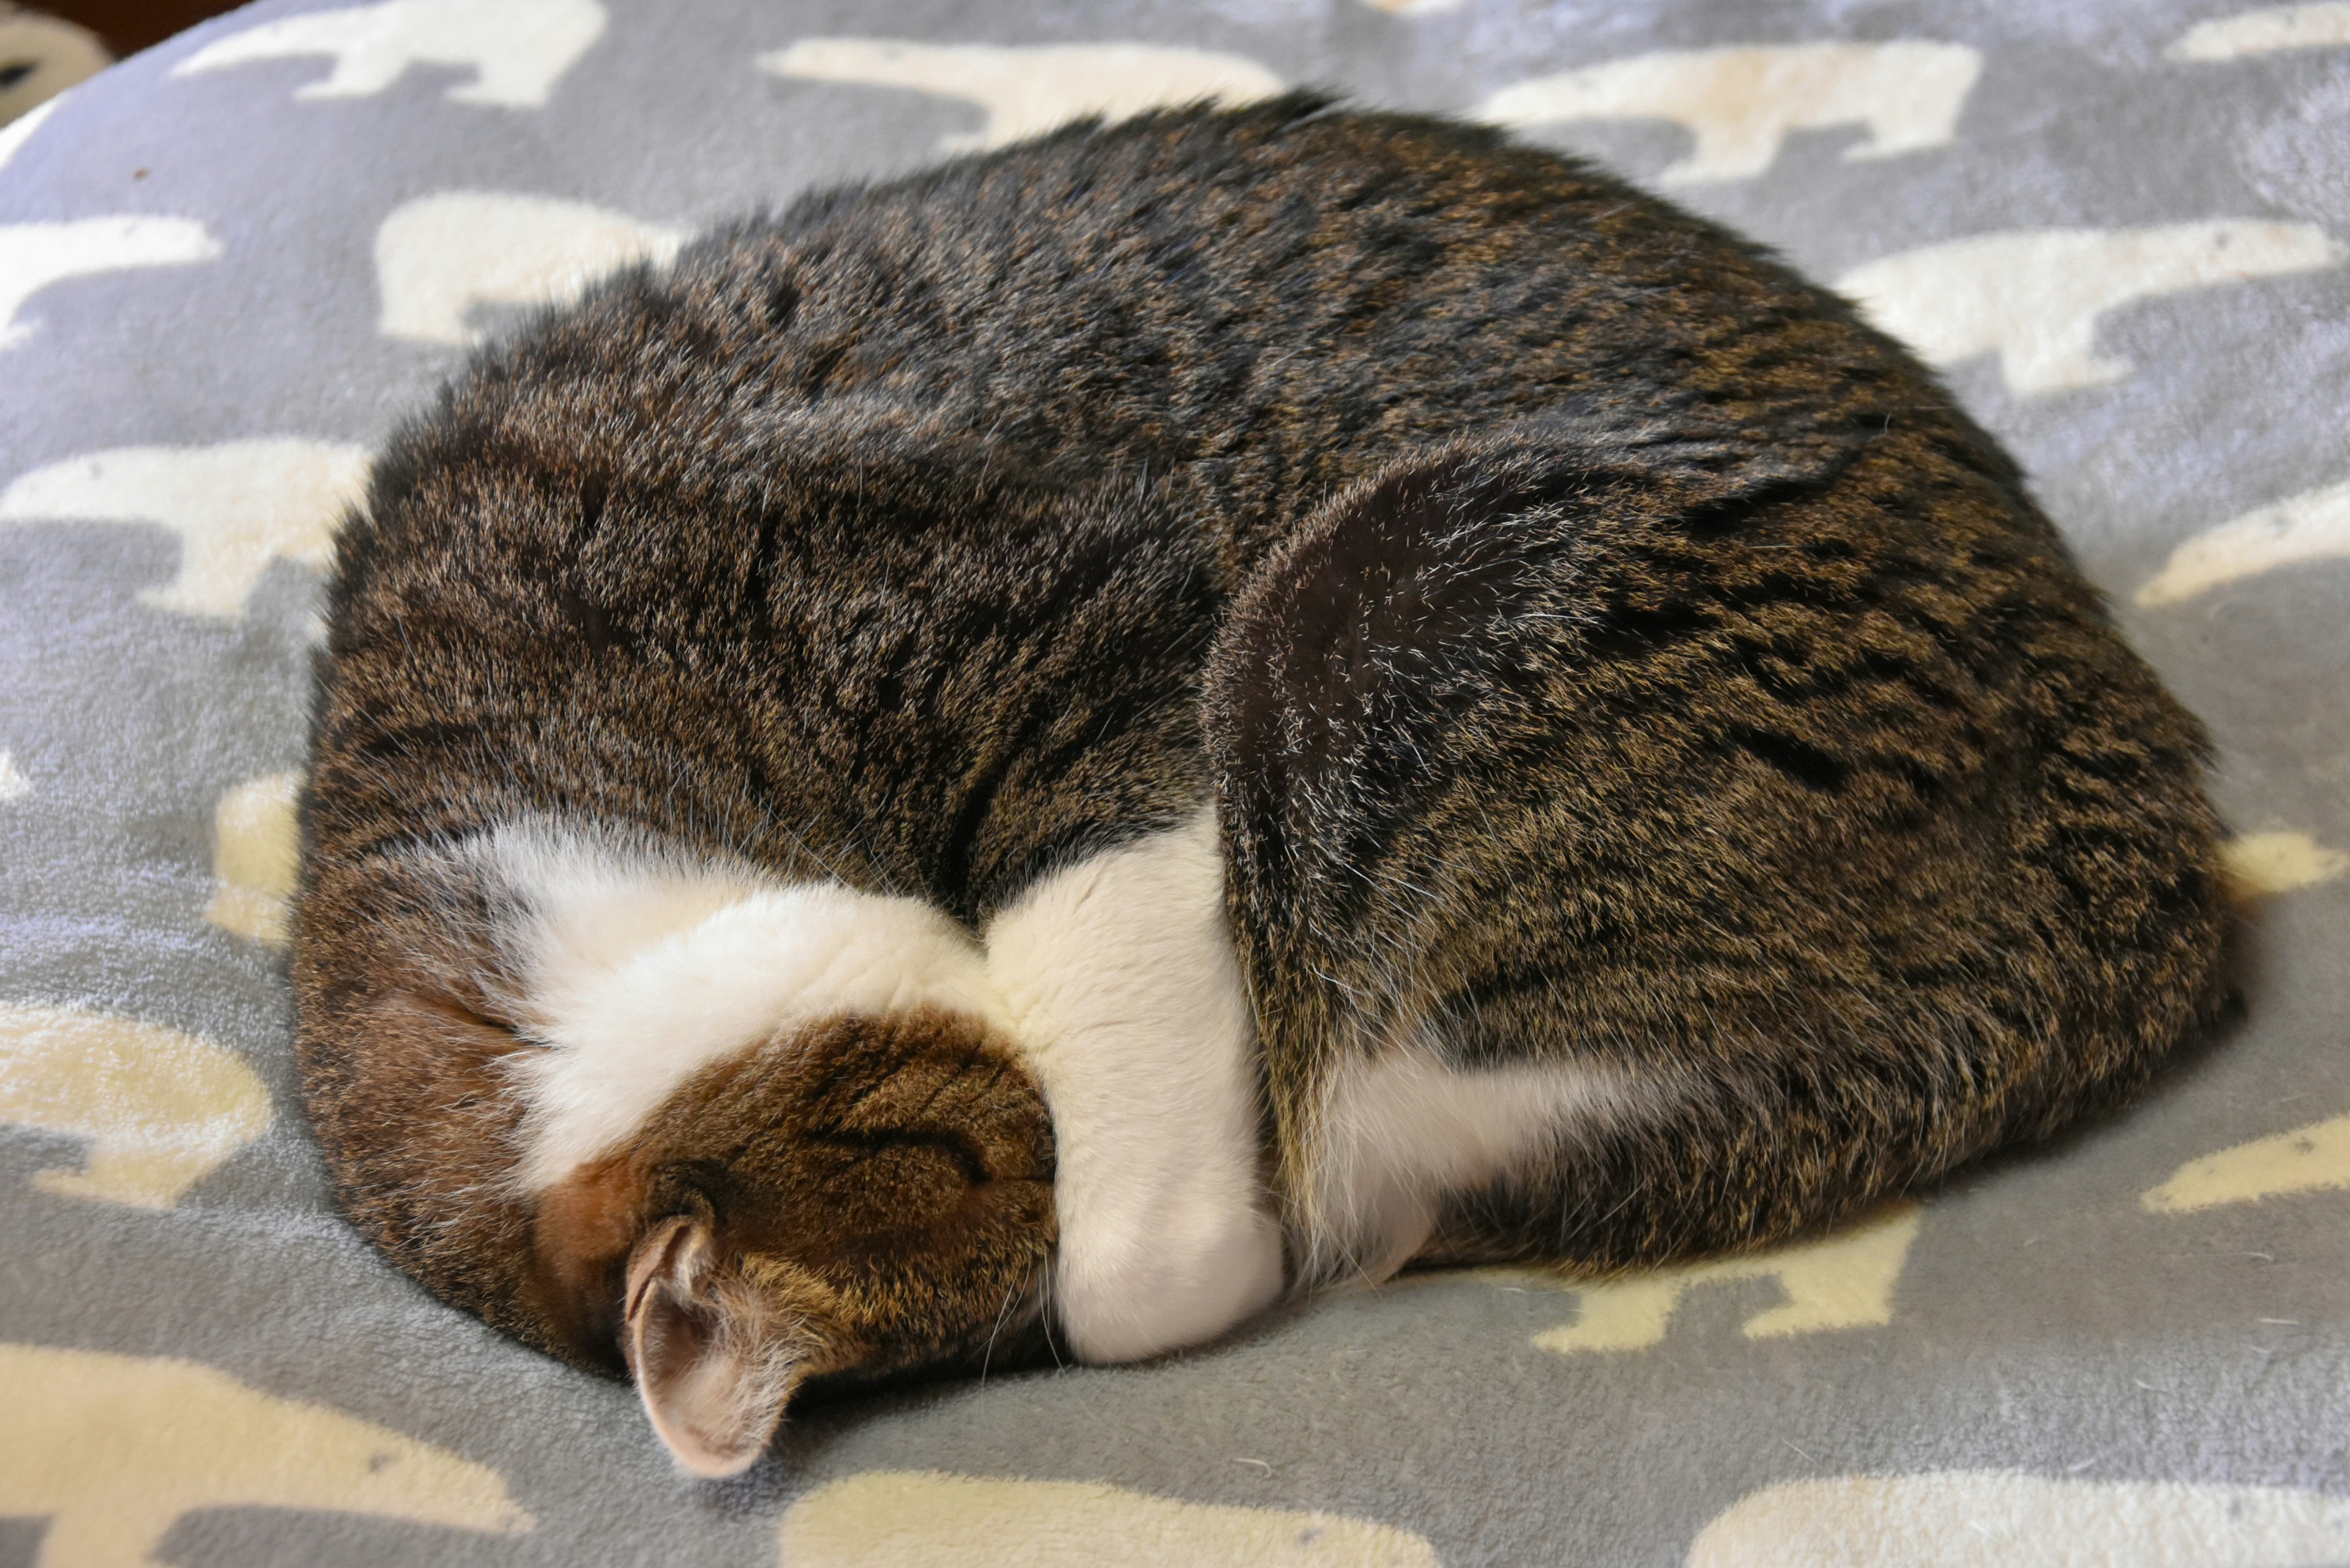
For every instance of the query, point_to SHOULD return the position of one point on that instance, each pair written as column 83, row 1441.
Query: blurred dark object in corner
column 130, row 25
column 40, row 56
column 45, row 51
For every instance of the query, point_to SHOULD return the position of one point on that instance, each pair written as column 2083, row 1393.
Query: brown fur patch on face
column 407, row 1065
column 902, row 1163
column 581, row 1235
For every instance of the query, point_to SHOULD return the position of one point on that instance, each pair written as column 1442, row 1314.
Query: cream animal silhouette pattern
column 2034, row 297
column 2313, row 525
column 1845, row 1281
column 108, row 1451
column 237, row 508
column 256, row 855
column 112, row 1449
column 439, row 256
column 518, row 49
column 162, row 1108
column 2315, row 1158
column 2001, row 1519
column 1024, row 91
column 901, row 1519
column 1740, row 103
column 2322, row 26
column 34, row 257
column 2283, row 862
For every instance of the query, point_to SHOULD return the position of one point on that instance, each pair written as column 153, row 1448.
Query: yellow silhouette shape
column 1740, row 103
column 2314, row 26
column 236, row 508
column 2283, row 862
column 438, row 257
column 2313, row 525
column 2001, row 1519
column 112, row 1449
column 255, row 854
column 164, row 1108
column 912, row 1519
column 2306, row 1159
column 1843, row 1281
column 2034, row 297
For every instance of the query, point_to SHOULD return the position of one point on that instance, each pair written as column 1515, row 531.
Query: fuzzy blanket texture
column 229, row 264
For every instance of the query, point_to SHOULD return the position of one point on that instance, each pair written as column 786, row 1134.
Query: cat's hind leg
column 1624, row 866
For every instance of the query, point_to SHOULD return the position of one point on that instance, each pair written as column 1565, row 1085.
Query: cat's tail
column 1621, row 868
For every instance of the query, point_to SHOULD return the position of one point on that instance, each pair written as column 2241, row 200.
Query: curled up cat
column 1040, row 755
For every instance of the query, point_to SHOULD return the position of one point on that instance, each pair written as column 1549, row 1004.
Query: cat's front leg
column 1129, row 1011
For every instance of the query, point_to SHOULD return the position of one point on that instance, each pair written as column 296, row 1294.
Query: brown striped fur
column 1598, row 644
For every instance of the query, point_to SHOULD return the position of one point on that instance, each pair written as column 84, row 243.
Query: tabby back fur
column 1608, row 662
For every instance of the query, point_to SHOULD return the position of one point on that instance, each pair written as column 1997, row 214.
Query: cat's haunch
column 1017, row 762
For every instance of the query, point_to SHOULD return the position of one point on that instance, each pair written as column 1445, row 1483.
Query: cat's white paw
column 1140, row 1272
column 1119, row 975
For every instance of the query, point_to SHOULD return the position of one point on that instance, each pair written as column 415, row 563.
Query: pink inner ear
column 710, row 1369
column 667, row 1251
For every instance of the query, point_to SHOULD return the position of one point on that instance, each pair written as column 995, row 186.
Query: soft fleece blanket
column 227, row 266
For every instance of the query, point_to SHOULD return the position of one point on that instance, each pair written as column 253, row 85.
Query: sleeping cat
column 1043, row 754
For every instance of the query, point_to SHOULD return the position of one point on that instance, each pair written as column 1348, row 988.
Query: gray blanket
column 227, row 266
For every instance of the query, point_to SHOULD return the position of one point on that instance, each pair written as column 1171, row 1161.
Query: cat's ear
column 713, row 1362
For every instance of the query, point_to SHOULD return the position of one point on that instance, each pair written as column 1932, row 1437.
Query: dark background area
column 130, row 25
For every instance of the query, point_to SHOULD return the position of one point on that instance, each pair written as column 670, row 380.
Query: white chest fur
column 640, row 970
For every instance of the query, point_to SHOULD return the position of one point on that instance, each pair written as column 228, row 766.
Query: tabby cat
column 1038, row 755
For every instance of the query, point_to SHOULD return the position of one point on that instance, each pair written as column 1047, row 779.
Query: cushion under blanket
column 228, row 265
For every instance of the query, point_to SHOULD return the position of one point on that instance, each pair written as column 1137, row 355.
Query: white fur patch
column 1402, row 1132
column 640, row 970
column 1115, row 979
column 1127, row 1007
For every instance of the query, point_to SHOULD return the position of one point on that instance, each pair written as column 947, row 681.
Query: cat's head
column 677, row 1119
column 858, row 1196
